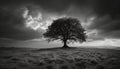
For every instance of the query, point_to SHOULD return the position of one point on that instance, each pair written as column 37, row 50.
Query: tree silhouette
column 67, row 30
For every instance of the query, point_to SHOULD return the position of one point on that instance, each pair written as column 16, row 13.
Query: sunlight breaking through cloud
column 38, row 21
column 33, row 22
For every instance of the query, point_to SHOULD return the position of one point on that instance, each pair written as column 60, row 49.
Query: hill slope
column 58, row 58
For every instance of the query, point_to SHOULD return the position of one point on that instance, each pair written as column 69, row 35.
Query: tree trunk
column 65, row 44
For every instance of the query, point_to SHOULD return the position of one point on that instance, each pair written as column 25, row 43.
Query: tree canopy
column 67, row 30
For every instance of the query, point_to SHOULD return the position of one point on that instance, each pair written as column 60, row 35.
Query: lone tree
column 67, row 30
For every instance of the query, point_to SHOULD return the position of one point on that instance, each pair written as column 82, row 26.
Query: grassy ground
column 58, row 58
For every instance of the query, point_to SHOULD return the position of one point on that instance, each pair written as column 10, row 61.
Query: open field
column 58, row 58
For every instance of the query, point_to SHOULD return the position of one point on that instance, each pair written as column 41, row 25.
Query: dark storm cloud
column 107, row 11
column 111, row 7
column 50, row 5
column 12, row 26
column 108, row 18
column 12, row 23
column 59, row 5
column 106, row 26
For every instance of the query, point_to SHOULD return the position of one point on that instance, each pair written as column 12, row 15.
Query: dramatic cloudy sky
column 22, row 22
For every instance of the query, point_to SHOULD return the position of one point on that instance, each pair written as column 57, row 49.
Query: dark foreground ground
column 58, row 58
